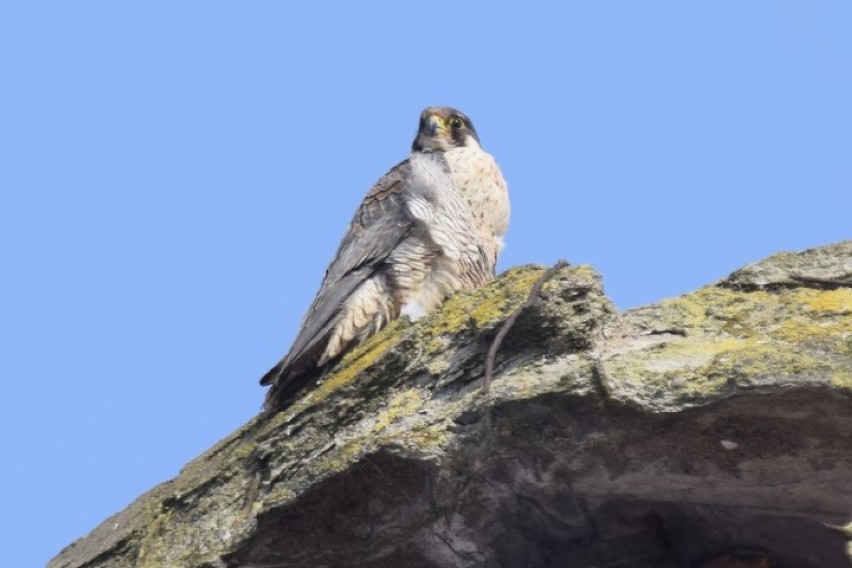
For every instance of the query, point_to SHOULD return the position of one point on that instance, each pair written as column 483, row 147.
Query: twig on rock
column 507, row 325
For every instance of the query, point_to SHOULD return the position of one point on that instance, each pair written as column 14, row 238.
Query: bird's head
column 442, row 128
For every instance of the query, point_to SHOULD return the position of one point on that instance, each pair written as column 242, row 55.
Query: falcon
column 431, row 226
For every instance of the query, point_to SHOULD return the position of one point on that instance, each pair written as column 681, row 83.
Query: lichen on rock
column 661, row 436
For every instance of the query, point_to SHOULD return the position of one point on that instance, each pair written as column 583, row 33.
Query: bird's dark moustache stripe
column 459, row 134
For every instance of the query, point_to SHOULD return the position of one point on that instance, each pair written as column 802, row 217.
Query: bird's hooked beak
column 435, row 124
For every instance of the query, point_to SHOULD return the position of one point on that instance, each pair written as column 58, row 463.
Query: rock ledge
column 717, row 423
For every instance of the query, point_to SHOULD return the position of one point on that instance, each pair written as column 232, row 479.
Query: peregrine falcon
column 433, row 225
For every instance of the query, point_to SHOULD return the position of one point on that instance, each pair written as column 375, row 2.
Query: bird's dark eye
column 456, row 122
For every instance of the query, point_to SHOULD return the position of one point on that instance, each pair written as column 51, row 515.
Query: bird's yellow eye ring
column 456, row 122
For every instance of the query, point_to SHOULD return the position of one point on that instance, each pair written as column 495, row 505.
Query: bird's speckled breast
column 461, row 203
column 479, row 180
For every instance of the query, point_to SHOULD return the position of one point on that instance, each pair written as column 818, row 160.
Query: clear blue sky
column 175, row 176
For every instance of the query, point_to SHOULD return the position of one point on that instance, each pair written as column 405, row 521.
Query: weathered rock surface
column 662, row 436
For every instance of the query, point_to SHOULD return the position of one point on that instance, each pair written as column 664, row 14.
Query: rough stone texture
column 709, row 426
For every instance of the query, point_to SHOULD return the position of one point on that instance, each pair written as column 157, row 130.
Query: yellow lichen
column 797, row 330
column 842, row 379
column 401, row 404
column 765, row 359
column 833, row 301
column 733, row 335
column 426, row 438
column 150, row 544
column 347, row 453
column 244, row 450
column 485, row 305
column 353, row 364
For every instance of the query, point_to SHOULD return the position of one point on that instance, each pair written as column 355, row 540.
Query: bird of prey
column 431, row 226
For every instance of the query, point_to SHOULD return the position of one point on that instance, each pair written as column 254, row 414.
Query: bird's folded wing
column 379, row 225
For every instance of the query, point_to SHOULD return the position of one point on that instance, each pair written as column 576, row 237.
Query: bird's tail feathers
column 287, row 385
